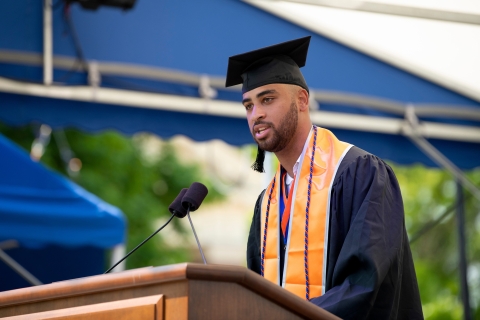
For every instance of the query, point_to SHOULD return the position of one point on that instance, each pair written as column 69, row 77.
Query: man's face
column 272, row 115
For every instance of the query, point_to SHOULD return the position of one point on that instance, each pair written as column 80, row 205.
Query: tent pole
column 462, row 252
column 19, row 269
column 444, row 162
column 47, row 43
column 410, row 130
column 118, row 252
column 396, row 10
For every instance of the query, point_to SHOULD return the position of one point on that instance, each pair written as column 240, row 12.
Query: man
column 330, row 226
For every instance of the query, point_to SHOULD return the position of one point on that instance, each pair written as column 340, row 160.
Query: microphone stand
column 195, row 234
column 177, row 209
column 138, row 246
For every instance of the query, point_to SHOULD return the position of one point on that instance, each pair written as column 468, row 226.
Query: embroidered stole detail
column 306, row 251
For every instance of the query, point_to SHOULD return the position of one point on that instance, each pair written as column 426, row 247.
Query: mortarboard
column 279, row 63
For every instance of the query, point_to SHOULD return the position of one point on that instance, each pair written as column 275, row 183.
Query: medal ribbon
column 288, row 204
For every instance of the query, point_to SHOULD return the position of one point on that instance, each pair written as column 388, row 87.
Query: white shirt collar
column 288, row 179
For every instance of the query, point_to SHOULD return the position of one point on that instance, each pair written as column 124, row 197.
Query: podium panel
column 148, row 308
column 183, row 291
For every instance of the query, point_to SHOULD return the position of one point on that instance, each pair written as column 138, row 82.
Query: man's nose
column 258, row 113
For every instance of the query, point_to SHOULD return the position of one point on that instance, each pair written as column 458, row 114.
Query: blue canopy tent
column 153, row 63
column 160, row 68
column 57, row 225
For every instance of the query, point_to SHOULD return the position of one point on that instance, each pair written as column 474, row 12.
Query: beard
column 282, row 135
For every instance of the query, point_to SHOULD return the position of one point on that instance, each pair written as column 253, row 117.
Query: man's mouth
column 261, row 132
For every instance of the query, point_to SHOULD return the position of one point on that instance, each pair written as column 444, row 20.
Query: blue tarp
column 52, row 263
column 95, row 117
column 198, row 37
column 39, row 207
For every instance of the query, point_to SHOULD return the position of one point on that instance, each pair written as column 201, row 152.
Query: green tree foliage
column 120, row 171
column 429, row 194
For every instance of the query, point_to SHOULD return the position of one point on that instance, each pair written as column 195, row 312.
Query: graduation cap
column 279, row 63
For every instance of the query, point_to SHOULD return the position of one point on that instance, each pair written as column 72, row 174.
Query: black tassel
column 258, row 164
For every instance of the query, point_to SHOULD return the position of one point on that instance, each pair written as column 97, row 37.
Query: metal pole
column 19, row 269
column 47, row 43
column 398, row 10
column 118, row 252
column 462, row 252
column 410, row 130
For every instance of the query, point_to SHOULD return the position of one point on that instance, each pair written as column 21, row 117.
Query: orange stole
column 329, row 152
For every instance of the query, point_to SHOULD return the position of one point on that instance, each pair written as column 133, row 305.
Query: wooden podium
column 182, row 291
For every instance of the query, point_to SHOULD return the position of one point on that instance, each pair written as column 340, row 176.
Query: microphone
column 194, row 196
column 175, row 208
column 191, row 201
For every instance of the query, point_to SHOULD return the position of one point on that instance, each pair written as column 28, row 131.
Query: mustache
column 256, row 123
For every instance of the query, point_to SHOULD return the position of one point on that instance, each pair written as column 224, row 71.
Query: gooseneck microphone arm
column 191, row 201
column 175, row 208
column 187, row 200
column 196, row 238
column 141, row 244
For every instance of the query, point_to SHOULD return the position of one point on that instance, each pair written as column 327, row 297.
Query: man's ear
column 302, row 99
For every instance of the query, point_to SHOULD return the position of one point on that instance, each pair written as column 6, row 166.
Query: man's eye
column 267, row 100
column 248, row 106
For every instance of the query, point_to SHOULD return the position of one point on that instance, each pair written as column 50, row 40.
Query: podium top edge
column 163, row 274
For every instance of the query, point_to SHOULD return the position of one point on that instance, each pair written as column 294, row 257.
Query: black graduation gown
column 370, row 273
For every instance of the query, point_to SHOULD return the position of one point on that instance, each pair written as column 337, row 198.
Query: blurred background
column 109, row 108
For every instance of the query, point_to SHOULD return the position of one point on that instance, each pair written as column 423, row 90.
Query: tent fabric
column 70, row 263
column 39, row 207
column 95, row 117
column 436, row 48
column 198, row 38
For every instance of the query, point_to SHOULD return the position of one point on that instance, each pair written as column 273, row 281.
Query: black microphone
column 175, row 208
column 194, row 196
column 191, row 201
